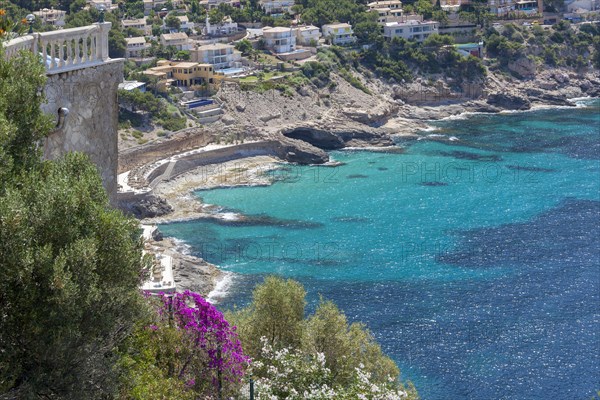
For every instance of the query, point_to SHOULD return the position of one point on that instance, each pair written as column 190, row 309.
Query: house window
column 398, row 31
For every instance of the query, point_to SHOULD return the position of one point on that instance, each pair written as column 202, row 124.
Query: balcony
column 66, row 49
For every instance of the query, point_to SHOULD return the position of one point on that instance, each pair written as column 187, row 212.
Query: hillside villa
column 339, row 34
column 179, row 40
column 410, row 30
column 185, row 74
column 220, row 55
column 307, row 35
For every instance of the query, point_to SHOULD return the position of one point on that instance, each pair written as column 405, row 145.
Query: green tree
column 71, row 264
column 596, row 54
column 245, row 47
column 173, row 22
column 345, row 346
column 116, row 44
column 274, row 322
column 277, row 313
column 22, row 123
column 215, row 16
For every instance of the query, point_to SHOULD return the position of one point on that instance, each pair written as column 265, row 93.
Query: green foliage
column 317, row 72
column 147, row 358
column 276, row 316
column 22, row 123
column 353, row 80
column 596, row 54
column 245, row 47
column 172, row 22
column 277, row 313
column 145, row 101
column 71, row 264
column 172, row 123
column 345, row 346
column 560, row 46
column 320, row 12
column 71, row 270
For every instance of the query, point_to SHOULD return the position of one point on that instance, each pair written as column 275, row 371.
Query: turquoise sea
column 473, row 256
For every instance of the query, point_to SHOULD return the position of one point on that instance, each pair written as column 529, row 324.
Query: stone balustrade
column 66, row 49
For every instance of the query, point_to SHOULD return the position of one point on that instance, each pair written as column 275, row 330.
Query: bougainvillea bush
column 188, row 351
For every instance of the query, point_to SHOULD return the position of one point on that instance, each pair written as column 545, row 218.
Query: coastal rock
column 523, row 67
column 561, row 77
column 300, row 152
column 317, row 137
column 509, row 101
column 150, row 207
column 336, row 134
column 557, row 99
column 371, row 116
column 547, row 85
column 240, row 107
column 267, row 118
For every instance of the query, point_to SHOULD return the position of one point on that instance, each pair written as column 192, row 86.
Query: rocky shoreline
column 302, row 140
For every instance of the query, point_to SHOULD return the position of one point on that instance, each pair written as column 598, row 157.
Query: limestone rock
column 561, row 77
column 509, row 101
column 150, row 207
column 267, row 118
column 228, row 120
column 523, row 67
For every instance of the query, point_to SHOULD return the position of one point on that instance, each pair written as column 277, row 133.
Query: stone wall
column 90, row 94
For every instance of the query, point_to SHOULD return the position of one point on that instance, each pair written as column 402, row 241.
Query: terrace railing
column 66, row 49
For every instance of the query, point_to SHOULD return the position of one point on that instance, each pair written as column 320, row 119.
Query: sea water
column 473, row 256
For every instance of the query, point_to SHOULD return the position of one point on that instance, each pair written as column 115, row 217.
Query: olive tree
column 70, row 264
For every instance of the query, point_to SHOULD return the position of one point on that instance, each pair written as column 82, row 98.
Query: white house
column 210, row 4
column 137, row 24
column 153, row 4
column 392, row 4
column 279, row 39
column 50, row 16
column 186, row 24
column 136, row 46
column 226, row 27
column 276, row 7
column 220, row 55
column 339, row 34
column 307, row 35
column 410, row 30
column 179, row 40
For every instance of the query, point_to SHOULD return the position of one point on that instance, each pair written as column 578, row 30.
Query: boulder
column 150, row 207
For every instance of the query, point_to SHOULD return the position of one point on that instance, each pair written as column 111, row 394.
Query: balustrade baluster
column 61, row 53
column 68, row 45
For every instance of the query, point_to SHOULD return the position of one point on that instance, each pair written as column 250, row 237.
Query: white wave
column 182, row 247
column 453, row 139
column 583, row 101
column 461, row 116
column 229, row 216
column 436, row 135
column 429, row 128
column 221, row 288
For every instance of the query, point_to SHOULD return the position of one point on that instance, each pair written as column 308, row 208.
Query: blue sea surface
column 474, row 256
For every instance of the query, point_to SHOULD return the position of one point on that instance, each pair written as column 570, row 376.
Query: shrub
column 189, row 347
